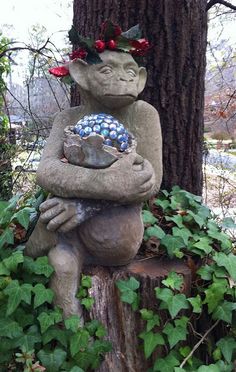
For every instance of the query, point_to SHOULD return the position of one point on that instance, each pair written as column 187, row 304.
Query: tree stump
column 122, row 323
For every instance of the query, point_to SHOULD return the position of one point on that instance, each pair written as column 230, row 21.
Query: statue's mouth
column 120, row 95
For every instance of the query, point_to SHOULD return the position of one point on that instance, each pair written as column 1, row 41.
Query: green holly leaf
column 183, row 233
column 52, row 360
column 176, row 333
column 215, row 293
column 41, row 266
column 42, row 295
column 12, row 262
column 154, row 231
column 166, row 364
column 73, row 323
column 173, row 244
column 7, row 237
column 79, row 341
column 134, row 33
column 196, row 303
column 227, row 346
column 224, row 311
column 173, row 280
column 227, row 261
column 17, row 293
column 148, row 218
column 10, row 328
column 151, row 340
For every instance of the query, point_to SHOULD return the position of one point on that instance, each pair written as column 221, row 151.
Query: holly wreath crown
column 111, row 38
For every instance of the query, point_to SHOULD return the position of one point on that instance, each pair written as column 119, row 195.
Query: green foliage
column 33, row 334
column 187, row 231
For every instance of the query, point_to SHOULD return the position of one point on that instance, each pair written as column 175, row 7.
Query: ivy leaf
column 151, row 318
column 154, row 231
column 228, row 223
column 173, row 280
column 151, row 340
column 227, row 261
column 130, row 284
column 16, row 294
column 41, row 266
column 209, row 368
column 197, row 218
column 183, row 233
column 172, row 244
column 226, row 243
column 196, row 303
column 224, row 311
column 76, row 369
column 55, row 334
column 227, row 345
column 72, row 323
column 7, row 237
column 23, row 217
column 204, row 245
column 42, row 295
column 87, row 302
column 174, row 303
column 166, row 364
column 206, row 272
column 29, row 339
column 214, row 294
column 4, row 270
column 164, row 204
column 48, row 319
column 10, row 328
column 13, row 260
column 148, row 218
column 52, row 360
column 177, row 219
column 176, row 333
column 86, row 281
column 79, row 341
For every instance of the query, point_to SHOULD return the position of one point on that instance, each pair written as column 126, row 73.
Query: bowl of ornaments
column 97, row 141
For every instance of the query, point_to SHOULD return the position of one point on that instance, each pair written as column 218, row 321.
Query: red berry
column 111, row 44
column 99, row 46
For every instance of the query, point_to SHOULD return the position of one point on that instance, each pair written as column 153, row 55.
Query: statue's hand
column 59, row 214
column 129, row 180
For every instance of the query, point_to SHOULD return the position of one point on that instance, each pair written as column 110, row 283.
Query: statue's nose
column 122, row 76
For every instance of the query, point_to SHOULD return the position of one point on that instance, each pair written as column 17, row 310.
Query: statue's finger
column 69, row 225
column 48, row 204
column 51, row 213
column 55, row 223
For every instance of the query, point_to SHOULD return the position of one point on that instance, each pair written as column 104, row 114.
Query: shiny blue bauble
column 108, row 142
column 105, row 133
column 87, row 130
column 123, row 146
column 113, row 134
column 105, row 125
column 82, row 133
column 97, row 128
column 120, row 129
column 121, row 138
column 112, row 127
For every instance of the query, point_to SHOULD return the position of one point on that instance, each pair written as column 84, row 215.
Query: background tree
column 177, row 30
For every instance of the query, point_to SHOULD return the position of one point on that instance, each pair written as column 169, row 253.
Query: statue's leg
column 67, row 263
column 114, row 236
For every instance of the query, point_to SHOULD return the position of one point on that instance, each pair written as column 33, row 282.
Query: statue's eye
column 131, row 72
column 106, row 70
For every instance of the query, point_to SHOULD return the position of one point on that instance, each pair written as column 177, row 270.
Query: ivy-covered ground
column 199, row 334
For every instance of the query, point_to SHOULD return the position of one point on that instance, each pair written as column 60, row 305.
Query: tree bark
column 177, row 31
column 124, row 325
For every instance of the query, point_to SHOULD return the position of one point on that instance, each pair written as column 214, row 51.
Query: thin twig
column 199, row 343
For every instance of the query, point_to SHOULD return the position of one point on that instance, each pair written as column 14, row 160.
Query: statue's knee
column 114, row 236
column 63, row 260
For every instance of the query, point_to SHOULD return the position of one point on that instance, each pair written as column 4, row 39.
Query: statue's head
column 106, row 69
column 114, row 82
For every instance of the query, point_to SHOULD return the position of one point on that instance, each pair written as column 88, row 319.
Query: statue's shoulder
column 144, row 109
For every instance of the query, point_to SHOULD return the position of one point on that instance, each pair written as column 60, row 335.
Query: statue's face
column 115, row 81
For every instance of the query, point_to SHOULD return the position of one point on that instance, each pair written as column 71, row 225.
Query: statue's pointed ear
column 142, row 79
column 78, row 71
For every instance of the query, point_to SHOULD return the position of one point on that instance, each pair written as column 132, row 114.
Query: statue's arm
column 149, row 137
column 124, row 181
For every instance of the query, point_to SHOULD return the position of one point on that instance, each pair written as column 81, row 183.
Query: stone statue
column 94, row 215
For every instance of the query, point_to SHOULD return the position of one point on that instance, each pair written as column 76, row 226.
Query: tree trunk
column 124, row 325
column 177, row 30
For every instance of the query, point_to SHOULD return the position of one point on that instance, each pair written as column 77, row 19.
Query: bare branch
column 211, row 3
